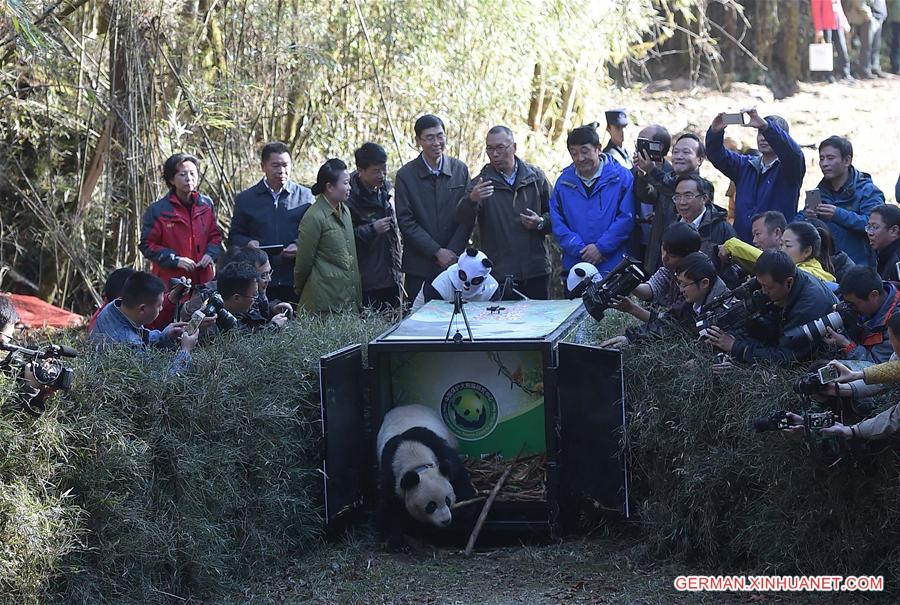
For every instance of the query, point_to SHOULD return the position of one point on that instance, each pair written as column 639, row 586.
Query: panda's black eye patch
column 447, row 500
column 432, row 506
column 462, row 275
column 477, row 280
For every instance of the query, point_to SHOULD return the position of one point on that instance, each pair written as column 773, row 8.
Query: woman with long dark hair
column 326, row 272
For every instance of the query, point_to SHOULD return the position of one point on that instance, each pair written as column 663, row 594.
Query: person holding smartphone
column 770, row 181
column 848, row 197
column 375, row 228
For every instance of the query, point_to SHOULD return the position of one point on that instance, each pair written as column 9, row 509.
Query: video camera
column 49, row 373
column 625, row 277
column 843, row 318
column 215, row 307
column 812, row 421
column 734, row 309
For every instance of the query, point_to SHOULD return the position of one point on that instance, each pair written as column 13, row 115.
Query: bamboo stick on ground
column 488, row 503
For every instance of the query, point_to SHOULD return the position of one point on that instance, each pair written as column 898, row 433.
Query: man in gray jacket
column 510, row 200
column 426, row 191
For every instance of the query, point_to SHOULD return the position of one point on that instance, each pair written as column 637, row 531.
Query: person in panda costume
column 471, row 276
column 580, row 275
column 420, row 474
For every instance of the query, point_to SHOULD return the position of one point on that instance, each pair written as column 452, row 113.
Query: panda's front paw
column 396, row 544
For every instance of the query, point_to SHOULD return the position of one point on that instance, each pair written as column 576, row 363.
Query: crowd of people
column 356, row 240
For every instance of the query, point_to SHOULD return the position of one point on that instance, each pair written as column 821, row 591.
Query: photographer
column 654, row 183
column 237, row 286
column 122, row 321
column 678, row 241
column 887, row 422
column 799, row 299
column 30, row 394
column 698, row 282
column 875, row 301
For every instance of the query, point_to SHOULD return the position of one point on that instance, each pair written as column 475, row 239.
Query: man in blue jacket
column 848, row 198
column 591, row 205
column 768, row 182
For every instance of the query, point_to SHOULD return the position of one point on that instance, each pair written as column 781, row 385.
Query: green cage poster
column 492, row 401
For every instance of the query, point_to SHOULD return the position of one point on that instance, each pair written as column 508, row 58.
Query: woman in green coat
column 326, row 273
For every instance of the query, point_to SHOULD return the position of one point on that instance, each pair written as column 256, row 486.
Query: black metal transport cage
column 514, row 389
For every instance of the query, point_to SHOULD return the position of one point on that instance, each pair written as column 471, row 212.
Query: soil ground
column 604, row 570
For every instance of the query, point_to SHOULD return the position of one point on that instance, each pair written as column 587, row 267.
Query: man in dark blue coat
column 770, row 181
column 269, row 213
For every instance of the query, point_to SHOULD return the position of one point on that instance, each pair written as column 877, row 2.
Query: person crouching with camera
column 875, row 301
column 886, row 423
column 799, row 299
column 30, row 393
column 122, row 321
column 698, row 283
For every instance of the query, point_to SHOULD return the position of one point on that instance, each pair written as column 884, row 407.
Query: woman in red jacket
column 179, row 234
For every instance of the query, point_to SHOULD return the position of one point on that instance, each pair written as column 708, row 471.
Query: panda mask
column 580, row 275
column 469, row 274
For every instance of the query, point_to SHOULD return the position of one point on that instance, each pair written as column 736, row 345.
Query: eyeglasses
column 686, row 197
column 434, row 138
column 872, row 228
column 491, row 150
column 264, row 275
column 683, row 285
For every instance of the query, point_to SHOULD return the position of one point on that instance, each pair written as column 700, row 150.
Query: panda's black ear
column 487, row 263
column 409, row 480
column 444, row 468
column 472, row 251
column 580, row 272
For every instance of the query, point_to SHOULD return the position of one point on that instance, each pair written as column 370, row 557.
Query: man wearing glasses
column 695, row 208
column 427, row 190
column 883, row 231
column 509, row 199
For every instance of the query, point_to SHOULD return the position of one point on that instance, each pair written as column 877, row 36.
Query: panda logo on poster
column 469, row 410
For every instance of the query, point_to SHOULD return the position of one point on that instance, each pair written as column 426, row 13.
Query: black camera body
column 215, row 307
column 49, row 372
column 734, row 309
column 625, row 277
column 654, row 149
column 812, row 421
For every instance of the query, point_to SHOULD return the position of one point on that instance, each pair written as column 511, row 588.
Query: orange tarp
column 36, row 313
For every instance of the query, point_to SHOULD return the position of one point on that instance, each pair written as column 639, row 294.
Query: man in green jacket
column 510, row 200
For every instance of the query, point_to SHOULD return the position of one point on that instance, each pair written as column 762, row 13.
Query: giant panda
column 420, row 474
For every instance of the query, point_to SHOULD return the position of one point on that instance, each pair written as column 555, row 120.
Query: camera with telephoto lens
column 215, row 307
column 734, row 309
column 843, row 318
column 48, row 371
column 624, row 278
column 812, row 421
